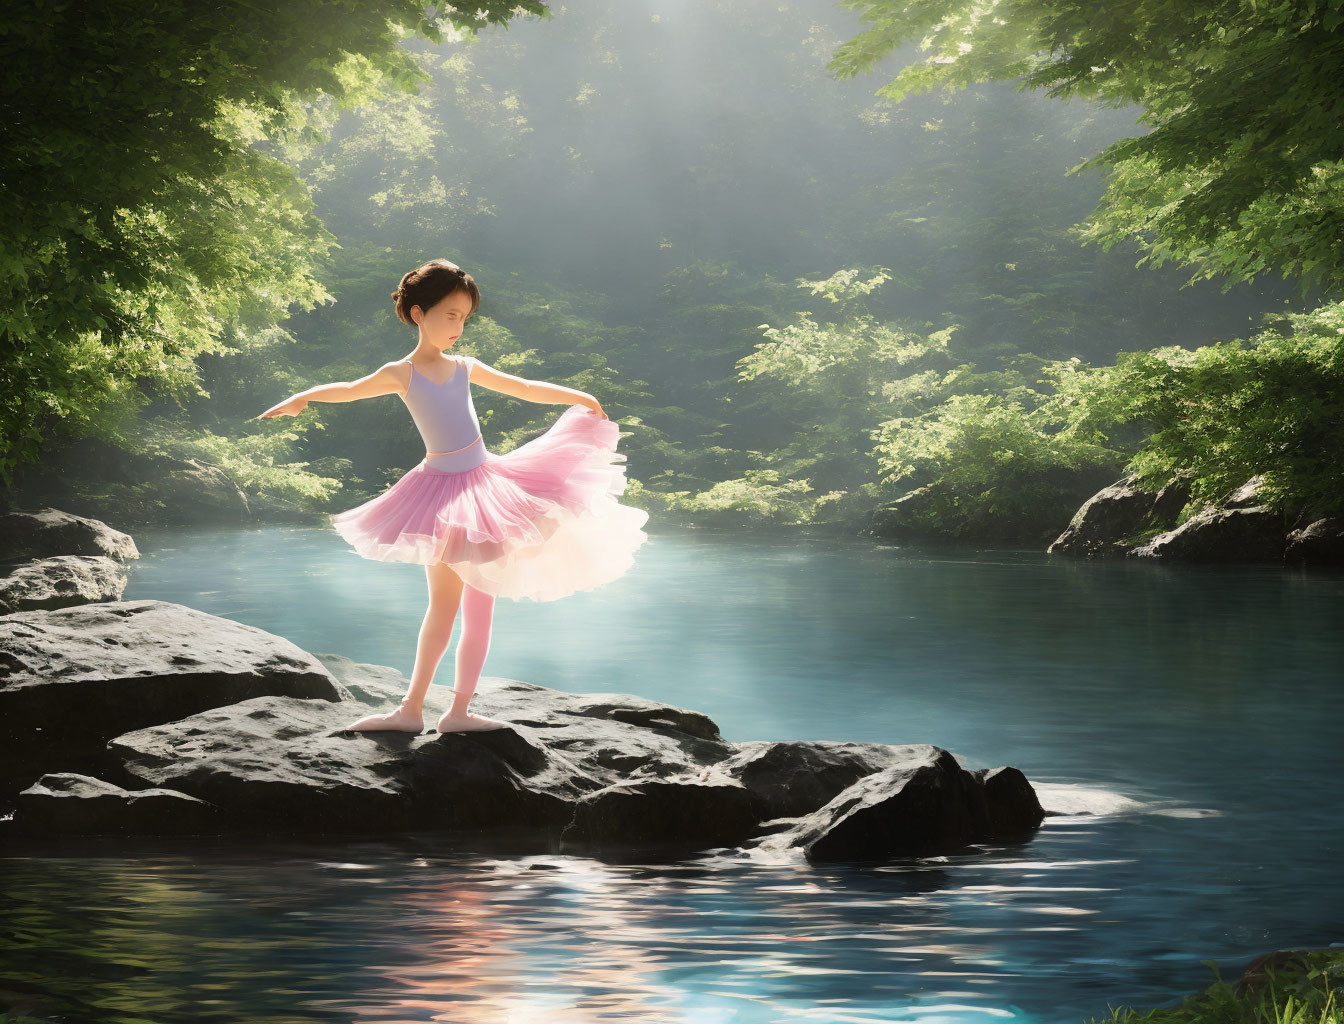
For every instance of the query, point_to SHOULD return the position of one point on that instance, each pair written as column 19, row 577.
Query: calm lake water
column 1188, row 721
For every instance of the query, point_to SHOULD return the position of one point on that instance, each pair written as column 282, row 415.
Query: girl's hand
column 595, row 406
column 289, row 407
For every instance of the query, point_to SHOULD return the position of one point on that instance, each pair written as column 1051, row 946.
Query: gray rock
column 61, row 581
column 791, row 778
column 924, row 805
column 1319, row 544
column 284, row 765
column 48, row 531
column 65, row 803
column 1245, row 496
column 671, row 814
column 1170, row 502
column 73, row 678
column 278, row 764
column 1103, row 525
column 591, row 772
column 1253, row 535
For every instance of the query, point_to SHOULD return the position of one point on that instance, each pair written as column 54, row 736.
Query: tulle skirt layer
column 537, row 523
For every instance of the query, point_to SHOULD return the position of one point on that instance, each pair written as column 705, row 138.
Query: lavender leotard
column 446, row 418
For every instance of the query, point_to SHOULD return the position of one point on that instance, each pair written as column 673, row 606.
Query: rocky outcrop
column 103, row 808
column 924, row 804
column 190, row 724
column 909, row 517
column 60, row 582
column 1252, row 535
column 935, row 512
column 1318, row 544
column 52, row 559
column 45, row 532
column 74, row 678
column 1239, row 530
column 1123, row 519
column 1107, row 521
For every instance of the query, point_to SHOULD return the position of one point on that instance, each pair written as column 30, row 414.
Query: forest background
column 811, row 256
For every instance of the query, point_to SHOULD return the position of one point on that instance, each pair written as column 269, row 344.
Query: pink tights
column 446, row 602
column 446, row 599
column 478, row 612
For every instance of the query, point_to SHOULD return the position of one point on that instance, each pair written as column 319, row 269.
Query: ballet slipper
column 400, row 720
column 468, row 723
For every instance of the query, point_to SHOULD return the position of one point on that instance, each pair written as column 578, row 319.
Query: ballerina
column 537, row 523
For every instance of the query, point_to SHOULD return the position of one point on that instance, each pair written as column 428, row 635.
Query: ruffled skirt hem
column 537, row 523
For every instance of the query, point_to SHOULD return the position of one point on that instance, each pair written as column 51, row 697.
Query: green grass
column 1305, row 992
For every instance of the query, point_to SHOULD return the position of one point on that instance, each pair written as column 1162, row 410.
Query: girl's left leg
column 478, row 610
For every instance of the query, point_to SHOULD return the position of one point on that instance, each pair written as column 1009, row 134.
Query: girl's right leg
column 445, row 595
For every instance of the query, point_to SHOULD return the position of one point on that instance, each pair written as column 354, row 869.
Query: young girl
column 537, row 523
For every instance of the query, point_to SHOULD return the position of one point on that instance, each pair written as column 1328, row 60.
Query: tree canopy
column 140, row 220
column 1240, row 171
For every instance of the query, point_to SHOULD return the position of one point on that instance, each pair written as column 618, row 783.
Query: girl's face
column 443, row 324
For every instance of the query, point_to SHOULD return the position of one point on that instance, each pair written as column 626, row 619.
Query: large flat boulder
column 567, row 771
column 73, row 678
column 601, row 773
column 278, row 764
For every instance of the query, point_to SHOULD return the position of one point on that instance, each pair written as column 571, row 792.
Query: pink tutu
column 537, row 523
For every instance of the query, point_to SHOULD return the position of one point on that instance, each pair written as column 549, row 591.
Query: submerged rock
column 202, row 725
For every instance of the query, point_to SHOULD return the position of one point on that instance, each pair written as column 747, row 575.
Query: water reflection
column 1183, row 723
column 1093, row 910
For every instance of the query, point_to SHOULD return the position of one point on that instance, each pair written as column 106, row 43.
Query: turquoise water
column 1195, row 713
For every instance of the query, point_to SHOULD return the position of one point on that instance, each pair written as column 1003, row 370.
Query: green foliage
column 1241, row 101
column 1305, row 992
column 825, row 380
column 874, row 404
column 758, row 496
column 1238, row 175
column 140, row 220
column 1225, row 412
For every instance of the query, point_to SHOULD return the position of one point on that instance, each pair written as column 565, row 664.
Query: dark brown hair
column 431, row 283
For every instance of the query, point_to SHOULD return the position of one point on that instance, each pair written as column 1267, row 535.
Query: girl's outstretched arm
column 539, row 391
column 383, row 381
